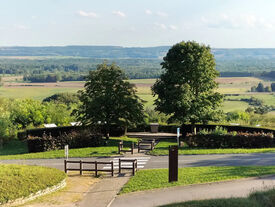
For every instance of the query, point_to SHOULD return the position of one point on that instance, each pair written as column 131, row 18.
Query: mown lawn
column 19, row 150
column 158, row 178
column 257, row 199
column 163, row 146
column 18, row 181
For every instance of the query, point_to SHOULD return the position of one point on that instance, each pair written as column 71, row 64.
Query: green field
column 158, row 178
column 35, row 93
column 19, row 150
column 19, row 181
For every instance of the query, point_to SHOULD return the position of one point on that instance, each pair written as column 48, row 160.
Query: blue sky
column 218, row 23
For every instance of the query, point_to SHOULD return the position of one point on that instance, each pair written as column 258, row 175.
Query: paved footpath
column 226, row 189
column 103, row 193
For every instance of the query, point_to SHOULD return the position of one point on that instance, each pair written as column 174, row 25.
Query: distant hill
column 116, row 52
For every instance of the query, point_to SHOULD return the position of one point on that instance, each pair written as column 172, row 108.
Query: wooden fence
column 94, row 164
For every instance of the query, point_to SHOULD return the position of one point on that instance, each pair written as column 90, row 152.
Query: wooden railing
column 120, row 148
column 94, row 164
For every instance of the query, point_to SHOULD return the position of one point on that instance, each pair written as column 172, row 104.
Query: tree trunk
column 193, row 128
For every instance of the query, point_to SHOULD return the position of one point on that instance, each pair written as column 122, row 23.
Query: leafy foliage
column 186, row 90
column 79, row 139
column 109, row 99
column 233, row 140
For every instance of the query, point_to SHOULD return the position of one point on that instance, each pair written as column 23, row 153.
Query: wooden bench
column 120, row 148
column 150, row 143
column 95, row 169
column 133, row 167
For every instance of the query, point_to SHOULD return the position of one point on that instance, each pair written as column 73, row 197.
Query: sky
column 138, row 23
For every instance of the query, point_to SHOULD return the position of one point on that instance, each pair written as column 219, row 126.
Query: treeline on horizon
column 75, row 69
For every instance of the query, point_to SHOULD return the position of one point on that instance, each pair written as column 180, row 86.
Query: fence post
column 138, row 146
column 134, row 164
column 65, row 166
column 96, row 168
column 119, row 166
column 112, row 167
column 132, row 148
column 80, row 167
column 119, row 148
column 173, row 163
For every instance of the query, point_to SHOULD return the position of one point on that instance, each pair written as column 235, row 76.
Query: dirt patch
column 234, row 80
column 76, row 189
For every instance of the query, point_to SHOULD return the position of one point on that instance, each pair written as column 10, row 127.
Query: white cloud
column 87, row 14
column 21, row 27
column 148, row 11
column 237, row 22
column 161, row 26
column 173, row 27
column 119, row 13
column 162, row 14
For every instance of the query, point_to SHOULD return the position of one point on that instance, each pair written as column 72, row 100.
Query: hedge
column 239, row 140
column 75, row 139
column 57, row 131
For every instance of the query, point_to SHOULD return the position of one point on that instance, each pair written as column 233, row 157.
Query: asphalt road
column 162, row 161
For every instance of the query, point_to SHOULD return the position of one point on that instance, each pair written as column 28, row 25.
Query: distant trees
column 108, row 98
column 261, row 88
column 186, row 89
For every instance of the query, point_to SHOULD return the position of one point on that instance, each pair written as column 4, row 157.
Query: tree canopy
column 108, row 98
column 186, row 89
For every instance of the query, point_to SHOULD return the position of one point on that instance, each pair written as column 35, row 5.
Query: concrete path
column 227, row 189
column 103, row 193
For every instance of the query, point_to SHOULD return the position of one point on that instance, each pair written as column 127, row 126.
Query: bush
column 232, row 140
column 79, row 139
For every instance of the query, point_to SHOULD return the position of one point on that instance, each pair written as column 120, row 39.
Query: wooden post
column 119, row 166
column 132, row 148
column 173, row 163
column 65, row 166
column 96, row 168
column 80, row 167
column 119, row 148
column 138, row 146
column 134, row 164
column 112, row 167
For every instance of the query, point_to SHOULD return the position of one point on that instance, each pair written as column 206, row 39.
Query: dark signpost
column 173, row 163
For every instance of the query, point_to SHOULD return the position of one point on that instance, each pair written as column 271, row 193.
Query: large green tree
column 109, row 99
column 187, row 88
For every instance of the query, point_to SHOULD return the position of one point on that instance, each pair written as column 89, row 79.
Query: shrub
column 79, row 139
column 232, row 140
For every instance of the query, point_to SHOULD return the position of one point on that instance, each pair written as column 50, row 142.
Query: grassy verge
column 18, row 150
column 258, row 199
column 162, row 149
column 158, row 178
column 20, row 181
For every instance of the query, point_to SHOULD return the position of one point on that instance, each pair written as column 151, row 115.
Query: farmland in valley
column 14, row 87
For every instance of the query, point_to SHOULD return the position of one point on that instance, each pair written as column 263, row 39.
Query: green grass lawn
column 18, row 181
column 19, row 150
column 256, row 199
column 158, row 178
column 162, row 149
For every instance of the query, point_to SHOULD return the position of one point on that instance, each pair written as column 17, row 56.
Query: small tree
column 267, row 89
column 273, row 87
column 253, row 89
column 260, row 88
column 109, row 99
column 186, row 90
